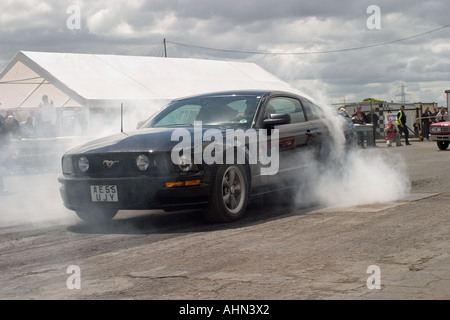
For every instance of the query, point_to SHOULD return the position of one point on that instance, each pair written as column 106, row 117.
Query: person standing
column 426, row 120
column 435, row 113
column 360, row 115
column 401, row 124
column 11, row 125
column 360, row 118
column 373, row 118
column 48, row 117
column 442, row 115
column 28, row 128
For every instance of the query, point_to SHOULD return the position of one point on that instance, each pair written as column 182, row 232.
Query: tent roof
column 71, row 79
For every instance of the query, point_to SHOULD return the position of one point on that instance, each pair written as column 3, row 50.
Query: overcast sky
column 332, row 50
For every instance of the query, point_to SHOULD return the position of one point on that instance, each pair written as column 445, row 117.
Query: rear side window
column 313, row 111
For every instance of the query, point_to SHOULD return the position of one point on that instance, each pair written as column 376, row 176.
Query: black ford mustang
column 213, row 151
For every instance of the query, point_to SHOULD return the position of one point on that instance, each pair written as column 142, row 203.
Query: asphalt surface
column 393, row 249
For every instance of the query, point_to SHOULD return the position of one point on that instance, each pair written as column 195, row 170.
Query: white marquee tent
column 99, row 85
column 99, row 81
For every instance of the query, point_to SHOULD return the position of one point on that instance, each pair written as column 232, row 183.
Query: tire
column 229, row 194
column 443, row 145
column 96, row 216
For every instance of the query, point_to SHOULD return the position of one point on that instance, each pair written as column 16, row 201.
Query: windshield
column 211, row 110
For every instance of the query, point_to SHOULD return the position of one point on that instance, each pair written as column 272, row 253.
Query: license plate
column 104, row 194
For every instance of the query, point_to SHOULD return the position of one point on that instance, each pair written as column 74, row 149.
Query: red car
column 440, row 132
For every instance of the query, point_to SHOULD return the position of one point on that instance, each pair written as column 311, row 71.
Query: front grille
column 115, row 165
column 445, row 129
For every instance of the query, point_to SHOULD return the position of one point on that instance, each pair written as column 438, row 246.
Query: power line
column 310, row 52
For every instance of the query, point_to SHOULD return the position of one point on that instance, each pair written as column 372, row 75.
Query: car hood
column 155, row 139
column 441, row 124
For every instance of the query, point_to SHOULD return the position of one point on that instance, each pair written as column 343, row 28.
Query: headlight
column 436, row 129
column 83, row 164
column 142, row 162
column 185, row 163
column 67, row 167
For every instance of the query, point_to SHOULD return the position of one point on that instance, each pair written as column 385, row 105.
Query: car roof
column 238, row 93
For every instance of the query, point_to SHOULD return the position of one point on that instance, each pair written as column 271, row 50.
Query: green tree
column 373, row 100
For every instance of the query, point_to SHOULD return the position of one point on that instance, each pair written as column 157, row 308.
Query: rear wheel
column 96, row 215
column 443, row 145
column 229, row 194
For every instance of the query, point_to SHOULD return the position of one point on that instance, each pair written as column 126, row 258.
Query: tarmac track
column 276, row 252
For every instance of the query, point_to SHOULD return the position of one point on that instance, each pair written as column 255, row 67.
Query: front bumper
column 135, row 193
column 440, row 137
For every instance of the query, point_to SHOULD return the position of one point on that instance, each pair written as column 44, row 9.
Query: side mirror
column 276, row 119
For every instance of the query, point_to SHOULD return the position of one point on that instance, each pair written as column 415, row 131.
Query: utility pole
column 402, row 93
column 447, row 93
column 165, row 48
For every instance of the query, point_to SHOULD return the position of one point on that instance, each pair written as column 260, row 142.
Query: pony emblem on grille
column 109, row 163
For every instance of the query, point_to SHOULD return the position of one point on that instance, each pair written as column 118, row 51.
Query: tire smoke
column 353, row 176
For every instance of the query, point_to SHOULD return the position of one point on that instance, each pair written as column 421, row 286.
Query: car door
column 315, row 117
column 294, row 139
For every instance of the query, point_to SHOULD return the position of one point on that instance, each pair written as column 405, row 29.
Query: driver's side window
column 285, row 105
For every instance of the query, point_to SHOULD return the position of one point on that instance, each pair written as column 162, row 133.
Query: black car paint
column 147, row 190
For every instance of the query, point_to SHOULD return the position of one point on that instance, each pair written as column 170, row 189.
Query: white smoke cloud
column 31, row 176
column 352, row 177
column 368, row 176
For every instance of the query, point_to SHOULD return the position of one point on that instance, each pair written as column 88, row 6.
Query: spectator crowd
column 39, row 123
column 397, row 129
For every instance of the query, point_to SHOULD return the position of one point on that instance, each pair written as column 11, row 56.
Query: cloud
column 297, row 27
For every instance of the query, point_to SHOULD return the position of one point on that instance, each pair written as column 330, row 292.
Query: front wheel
column 229, row 194
column 96, row 215
column 443, row 145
